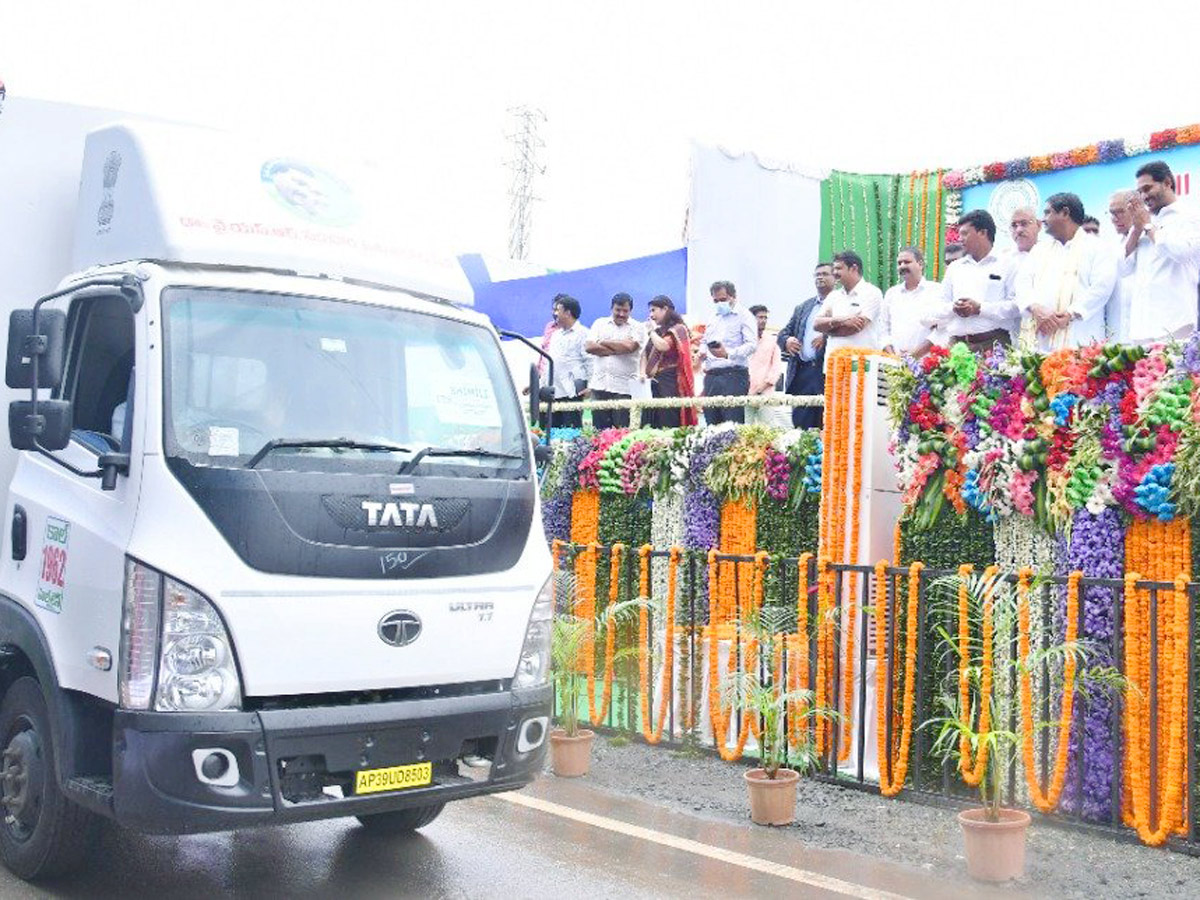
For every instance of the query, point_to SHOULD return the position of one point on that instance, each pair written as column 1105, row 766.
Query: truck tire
column 402, row 821
column 42, row 833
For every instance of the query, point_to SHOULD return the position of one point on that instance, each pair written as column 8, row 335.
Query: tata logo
column 399, row 628
column 408, row 515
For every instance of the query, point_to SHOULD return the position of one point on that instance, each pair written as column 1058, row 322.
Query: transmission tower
column 525, row 168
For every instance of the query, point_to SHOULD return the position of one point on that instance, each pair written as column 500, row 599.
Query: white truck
column 273, row 549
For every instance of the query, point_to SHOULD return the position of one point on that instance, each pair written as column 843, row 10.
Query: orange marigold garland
column 1046, row 801
column 720, row 722
column 739, row 530
column 894, row 770
column 609, row 640
column 1158, row 552
column 651, row 731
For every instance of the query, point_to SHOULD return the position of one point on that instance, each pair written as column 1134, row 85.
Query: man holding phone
column 730, row 336
column 977, row 304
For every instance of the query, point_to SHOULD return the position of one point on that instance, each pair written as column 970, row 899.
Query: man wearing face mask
column 730, row 336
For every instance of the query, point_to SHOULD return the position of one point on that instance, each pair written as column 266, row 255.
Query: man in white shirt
column 1117, row 313
column 1026, row 228
column 615, row 343
column 730, row 337
column 976, row 304
column 850, row 317
column 572, row 366
column 1071, row 280
column 1163, row 252
column 907, row 306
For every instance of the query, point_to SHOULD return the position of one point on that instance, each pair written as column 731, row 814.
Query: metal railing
column 930, row 778
column 636, row 405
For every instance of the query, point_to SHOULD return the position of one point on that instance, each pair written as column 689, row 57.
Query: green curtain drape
column 876, row 215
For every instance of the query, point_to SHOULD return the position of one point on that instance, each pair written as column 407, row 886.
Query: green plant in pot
column 571, row 745
column 758, row 693
column 984, row 748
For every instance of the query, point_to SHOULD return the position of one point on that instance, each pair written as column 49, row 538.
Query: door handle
column 19, row 532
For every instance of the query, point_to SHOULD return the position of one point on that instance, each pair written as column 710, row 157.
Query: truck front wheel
column 402, row 821
column 42, row 833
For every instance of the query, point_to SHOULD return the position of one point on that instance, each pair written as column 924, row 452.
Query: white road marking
column 802, row 876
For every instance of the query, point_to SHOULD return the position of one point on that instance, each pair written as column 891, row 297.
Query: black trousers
column 567, row 419
column 664, row 384
column 609, row 418
column 733, row 381
column 808, row 380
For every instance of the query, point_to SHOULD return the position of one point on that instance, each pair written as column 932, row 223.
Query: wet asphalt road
column 492, row 847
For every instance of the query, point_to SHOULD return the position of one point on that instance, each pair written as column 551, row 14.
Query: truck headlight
column 533, row 669
column 175, row 650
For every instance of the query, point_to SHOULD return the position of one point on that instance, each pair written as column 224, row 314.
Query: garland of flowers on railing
column 610, row 632
column 973, row 771
column 651, row 731
column 893, row 763
column 1154, row 551
column 720, row 721
column 1046, row 800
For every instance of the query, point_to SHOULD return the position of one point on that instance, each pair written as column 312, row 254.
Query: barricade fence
column 898, row 654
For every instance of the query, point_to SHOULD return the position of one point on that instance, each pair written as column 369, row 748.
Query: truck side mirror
column 48, row 346
column 49, row 428
column 539, row 394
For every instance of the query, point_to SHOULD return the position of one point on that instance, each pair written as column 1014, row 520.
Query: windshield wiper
column 335, row 443
column 429, row 450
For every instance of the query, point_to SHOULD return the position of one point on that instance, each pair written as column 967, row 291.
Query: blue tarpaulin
column 523, row 304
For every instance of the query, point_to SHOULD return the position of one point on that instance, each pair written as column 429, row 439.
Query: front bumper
column 298, row 764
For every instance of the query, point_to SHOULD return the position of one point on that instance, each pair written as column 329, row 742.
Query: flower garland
column 738, row 538
column 1171, row 801
column 1103, row 151
column 1156, row 551
column 720, row 722
column 650, row 731
column 1046, row 801
column 893, row 769
column 598, row 716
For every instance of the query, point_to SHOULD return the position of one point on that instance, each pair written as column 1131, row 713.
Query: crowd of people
column 1064, row 285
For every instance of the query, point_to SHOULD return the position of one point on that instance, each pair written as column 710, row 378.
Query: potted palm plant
column 987, row 610
column 571, row 745
column 758, row 693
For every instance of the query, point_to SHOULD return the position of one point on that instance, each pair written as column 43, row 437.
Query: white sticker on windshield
column 222, row 441
column 466, row 403
column 333, row 345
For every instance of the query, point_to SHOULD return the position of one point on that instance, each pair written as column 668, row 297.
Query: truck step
column 93, row 792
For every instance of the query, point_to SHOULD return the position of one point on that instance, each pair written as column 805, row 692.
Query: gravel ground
column 1059, row 862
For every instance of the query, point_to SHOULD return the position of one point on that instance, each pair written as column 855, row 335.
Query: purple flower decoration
column 1111, row 150
column 1097, row 549
column 1017, row 168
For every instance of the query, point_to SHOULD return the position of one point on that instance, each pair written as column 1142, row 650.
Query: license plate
column 393, row 778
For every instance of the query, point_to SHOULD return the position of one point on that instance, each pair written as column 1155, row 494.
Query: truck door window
column 99, row 373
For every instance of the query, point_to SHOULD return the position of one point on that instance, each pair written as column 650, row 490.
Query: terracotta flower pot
column 772, row 800
column 995, row 850
column 570, row 756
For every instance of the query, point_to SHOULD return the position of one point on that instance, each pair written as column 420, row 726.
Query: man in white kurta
column 907, row 307
column 1163, row 253
column 1070, row 282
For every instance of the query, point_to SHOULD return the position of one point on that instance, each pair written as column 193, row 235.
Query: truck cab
column 274, row 548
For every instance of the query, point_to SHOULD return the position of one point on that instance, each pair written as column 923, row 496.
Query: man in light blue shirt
column 730, row 336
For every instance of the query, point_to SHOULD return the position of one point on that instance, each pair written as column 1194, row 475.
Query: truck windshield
column 290, row 382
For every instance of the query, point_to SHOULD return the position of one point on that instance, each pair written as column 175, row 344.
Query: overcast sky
column 425, row 87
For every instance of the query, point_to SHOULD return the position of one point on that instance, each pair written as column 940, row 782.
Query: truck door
column 71, row 577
